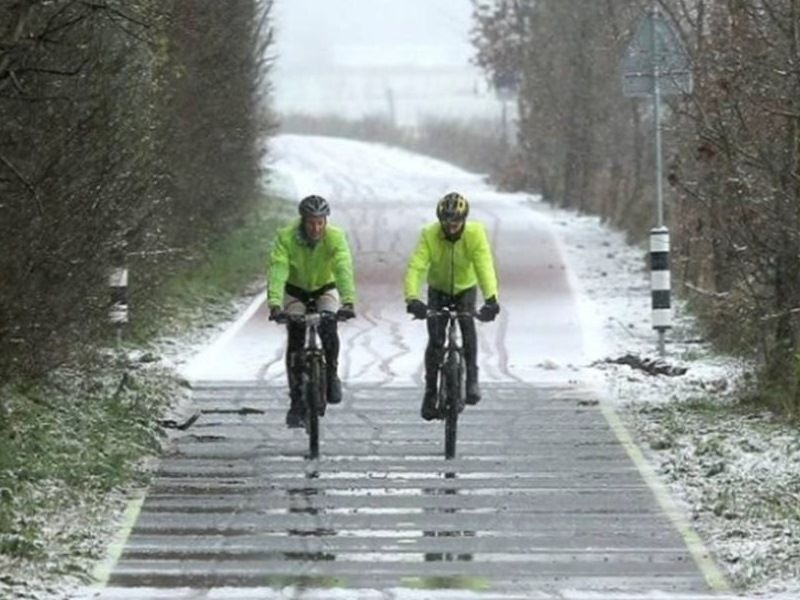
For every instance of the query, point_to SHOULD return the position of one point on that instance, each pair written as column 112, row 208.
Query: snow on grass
column 734, row 468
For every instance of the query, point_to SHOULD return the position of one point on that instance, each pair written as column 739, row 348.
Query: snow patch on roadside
column 735, row 473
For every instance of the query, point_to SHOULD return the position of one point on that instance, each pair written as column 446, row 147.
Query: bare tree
column 733, row 147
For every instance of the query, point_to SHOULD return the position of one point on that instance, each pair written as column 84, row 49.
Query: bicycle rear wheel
column 452, row 376
column 313, row 396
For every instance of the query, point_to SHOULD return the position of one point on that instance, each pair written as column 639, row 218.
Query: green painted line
column 102, row 572
column 702, row 557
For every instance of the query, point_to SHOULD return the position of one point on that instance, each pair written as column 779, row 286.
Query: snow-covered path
column 382, row 196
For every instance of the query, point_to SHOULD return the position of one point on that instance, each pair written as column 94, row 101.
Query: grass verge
column 735, row 467
column 200, row 292
column 74, row 441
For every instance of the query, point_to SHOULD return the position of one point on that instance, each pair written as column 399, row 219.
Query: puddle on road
column 245, row 410
column 315, row 532
column 305, row 496
column 401, row 475
column 419, row 542
column 341, row 511
column 206, row 438
column 275, row 451
column 422, row 491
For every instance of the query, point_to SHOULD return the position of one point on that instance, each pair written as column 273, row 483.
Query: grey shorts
column 327, row 301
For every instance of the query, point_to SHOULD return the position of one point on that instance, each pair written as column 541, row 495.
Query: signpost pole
column 657, row 118
column 660, row 329
column 655, row 64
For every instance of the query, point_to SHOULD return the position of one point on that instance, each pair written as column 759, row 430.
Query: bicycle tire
column 441, row 392
column 452, row 374
column 313, row 395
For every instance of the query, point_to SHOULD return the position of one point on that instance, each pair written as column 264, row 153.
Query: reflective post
column 660, row 284
column 118, row 311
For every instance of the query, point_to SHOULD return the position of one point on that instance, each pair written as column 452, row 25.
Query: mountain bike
column 314, row 381
column 451, row 375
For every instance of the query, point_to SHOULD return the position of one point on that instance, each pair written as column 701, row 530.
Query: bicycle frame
column 314, row 374
column 450, row 396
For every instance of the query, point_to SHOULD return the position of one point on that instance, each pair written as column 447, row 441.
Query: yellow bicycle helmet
column 452, row 207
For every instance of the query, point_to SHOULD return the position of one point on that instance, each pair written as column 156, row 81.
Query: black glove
column 345, row 312
column 489, row 310
column 276, row 314
column 417, row 308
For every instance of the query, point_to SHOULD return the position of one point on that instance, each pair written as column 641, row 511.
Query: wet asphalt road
column 541, row 499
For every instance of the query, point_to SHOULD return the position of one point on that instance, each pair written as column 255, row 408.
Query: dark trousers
column 437, row 330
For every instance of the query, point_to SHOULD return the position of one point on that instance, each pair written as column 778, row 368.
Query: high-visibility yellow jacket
column 451, row 267
column 308, row 266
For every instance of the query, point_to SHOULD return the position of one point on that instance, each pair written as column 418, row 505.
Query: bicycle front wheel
column 313, row 396
column 453, row 386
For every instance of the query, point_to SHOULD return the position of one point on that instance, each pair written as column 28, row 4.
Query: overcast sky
column 312, row 32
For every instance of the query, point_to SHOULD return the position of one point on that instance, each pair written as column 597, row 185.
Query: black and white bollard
column 118, row 312
column 660, row 283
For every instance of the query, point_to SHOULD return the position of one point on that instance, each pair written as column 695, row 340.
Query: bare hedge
column 131, row 132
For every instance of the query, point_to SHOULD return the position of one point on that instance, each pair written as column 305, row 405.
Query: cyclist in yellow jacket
column 455, row 258
column 310, row 261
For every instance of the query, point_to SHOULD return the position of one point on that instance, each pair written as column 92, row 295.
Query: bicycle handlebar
column 309, row 317
column 433, row 313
